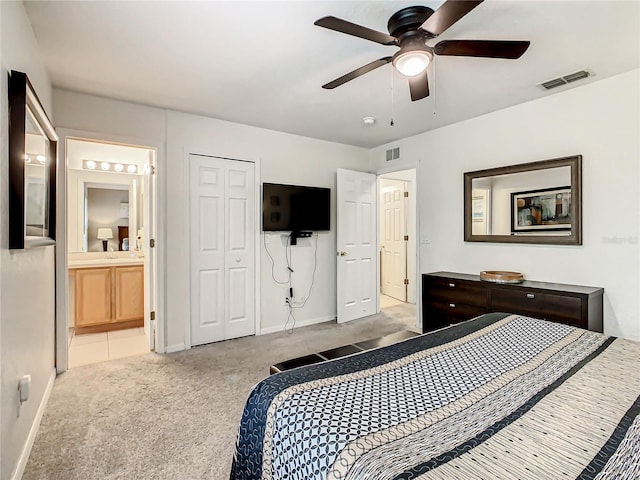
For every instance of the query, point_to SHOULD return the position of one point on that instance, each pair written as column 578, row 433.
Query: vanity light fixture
column 117, row 167
column 28, row 158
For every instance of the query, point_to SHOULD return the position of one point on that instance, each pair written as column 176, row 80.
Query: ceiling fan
column 410, row 29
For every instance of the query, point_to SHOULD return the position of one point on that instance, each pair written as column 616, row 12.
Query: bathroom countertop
column 105, row 262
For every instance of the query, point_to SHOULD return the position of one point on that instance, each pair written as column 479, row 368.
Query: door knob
column 342, row 254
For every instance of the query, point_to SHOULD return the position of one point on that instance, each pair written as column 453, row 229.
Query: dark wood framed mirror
column 536, row 202
column 32, row 167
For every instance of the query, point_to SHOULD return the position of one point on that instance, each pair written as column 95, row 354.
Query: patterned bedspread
column 499, row 397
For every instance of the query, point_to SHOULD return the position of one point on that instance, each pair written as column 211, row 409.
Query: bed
column 498, row 397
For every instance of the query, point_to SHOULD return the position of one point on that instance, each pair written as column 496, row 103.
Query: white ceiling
column 263, row 63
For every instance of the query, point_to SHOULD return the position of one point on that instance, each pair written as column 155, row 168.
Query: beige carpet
column 173, row 416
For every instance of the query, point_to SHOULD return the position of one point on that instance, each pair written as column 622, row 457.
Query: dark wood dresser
column 454, row 297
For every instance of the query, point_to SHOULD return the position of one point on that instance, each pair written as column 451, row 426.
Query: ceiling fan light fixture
column 412, row 63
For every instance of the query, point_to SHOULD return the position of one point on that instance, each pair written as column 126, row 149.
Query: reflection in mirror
column 36, row 178
column 107, row 208
column 523, row 203
column 537, row 202
column 32, row 167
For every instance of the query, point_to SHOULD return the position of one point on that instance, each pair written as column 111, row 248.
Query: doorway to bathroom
column 397, row 234
column 110, row 240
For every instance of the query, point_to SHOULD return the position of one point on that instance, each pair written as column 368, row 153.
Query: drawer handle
column 452, row 284
column 452, row 305
column 530, row 295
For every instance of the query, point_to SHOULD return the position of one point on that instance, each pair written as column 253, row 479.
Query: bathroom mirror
column 32, row 167
column 536, row 202
column 102, row 200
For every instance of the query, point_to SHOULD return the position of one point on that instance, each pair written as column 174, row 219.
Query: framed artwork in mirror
column 32, row 167
column 536, row 202
column 546, row 210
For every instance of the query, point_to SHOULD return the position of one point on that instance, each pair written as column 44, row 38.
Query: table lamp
column 104, row 234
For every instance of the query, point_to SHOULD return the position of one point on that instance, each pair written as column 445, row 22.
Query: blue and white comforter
column 502, row 396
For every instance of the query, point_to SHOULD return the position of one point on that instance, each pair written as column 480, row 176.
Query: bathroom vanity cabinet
column 108, row 298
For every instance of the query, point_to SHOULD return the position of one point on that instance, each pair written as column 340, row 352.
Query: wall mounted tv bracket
column 296, row 235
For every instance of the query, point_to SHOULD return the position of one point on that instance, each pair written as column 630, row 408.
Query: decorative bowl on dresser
column 449, row 298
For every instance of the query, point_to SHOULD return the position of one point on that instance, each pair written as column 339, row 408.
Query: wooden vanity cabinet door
column 93, row 296
column 129, row 295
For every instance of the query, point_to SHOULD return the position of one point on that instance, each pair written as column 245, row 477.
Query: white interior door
column 356, row 241
column 393, row 246
column 148, row 233
column 222, row 215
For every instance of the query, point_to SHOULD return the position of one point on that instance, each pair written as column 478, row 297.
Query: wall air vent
column 393, row 154
column 565, row 79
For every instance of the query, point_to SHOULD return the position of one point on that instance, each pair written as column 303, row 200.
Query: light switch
column 24, row 387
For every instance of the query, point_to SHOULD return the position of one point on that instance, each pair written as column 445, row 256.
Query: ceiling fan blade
column 482, row 48
column 419, row 86
column 339, row 25
column 357, row 72
column 449, row 13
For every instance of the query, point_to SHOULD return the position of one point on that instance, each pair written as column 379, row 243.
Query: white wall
column 600, row 121
column 281, row 158
column 26, row 327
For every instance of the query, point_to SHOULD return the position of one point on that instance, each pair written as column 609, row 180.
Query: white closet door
column 240, row 250
column 222, row 194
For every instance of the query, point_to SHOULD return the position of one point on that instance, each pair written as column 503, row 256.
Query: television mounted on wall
column 295, row 208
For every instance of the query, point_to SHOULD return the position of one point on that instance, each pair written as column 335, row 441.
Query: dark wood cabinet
column 454, row 297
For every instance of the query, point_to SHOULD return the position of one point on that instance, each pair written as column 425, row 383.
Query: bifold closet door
column 222, row 270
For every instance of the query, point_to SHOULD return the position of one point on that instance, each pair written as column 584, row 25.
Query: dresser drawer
column 441, row 314
column 456, row 291
column 561, row 308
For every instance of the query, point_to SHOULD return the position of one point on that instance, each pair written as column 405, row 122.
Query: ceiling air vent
column 565, row 79
column 393, row 154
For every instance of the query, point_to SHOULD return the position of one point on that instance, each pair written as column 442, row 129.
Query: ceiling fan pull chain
column 391, row 123
column 435, row 87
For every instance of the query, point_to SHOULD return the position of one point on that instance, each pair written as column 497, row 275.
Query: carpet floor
column 173, row 416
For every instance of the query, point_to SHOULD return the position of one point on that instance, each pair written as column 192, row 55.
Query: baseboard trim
column 299, row 323
column 31, row 438
column 178, row 347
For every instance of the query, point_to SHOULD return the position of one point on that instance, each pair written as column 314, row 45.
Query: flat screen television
column 295, row 208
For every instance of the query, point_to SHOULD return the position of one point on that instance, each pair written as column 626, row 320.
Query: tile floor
column 387, row 301
column 100, row 347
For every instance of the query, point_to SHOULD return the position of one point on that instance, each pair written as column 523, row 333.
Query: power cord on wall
column 313, row 276
column 273, row 264
column 291, row 305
